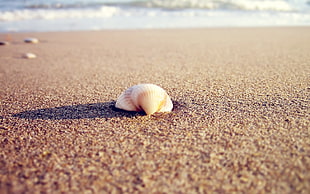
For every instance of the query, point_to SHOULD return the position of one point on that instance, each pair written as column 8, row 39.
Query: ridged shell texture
column 149, row 98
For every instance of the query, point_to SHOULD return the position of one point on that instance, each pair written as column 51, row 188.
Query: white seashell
column 149, row 98
column 29, row 56
column 31, row 40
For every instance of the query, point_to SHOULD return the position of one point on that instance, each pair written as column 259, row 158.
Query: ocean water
column 71, row 15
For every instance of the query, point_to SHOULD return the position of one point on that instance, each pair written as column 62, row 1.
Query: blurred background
column 71, row 15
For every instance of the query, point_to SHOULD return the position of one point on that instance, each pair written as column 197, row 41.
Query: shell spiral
column 149, row 98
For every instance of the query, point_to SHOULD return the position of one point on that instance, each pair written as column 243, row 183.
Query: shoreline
column 162, row 29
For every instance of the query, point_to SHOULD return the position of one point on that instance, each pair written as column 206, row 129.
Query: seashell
column 3, row 43
column 31, row 40
column 29, row 56
column 149, row 98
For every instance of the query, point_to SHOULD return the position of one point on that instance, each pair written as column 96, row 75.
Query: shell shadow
column 80, row 111
column 85, row 111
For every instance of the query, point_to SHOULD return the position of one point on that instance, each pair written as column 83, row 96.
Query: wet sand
column 240, row 121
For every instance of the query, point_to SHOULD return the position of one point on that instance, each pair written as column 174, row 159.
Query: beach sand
column 240, row 121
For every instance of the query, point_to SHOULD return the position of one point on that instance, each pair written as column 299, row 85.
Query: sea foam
column 54, row 15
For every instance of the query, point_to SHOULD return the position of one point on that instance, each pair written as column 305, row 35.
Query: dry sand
column 240, row 123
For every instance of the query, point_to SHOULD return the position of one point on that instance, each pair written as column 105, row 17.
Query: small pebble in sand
column 3, row 43
column 149, row 98
column 29, row 56
column 31, row 40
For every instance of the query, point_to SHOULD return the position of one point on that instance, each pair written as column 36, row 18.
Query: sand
column 240, row 121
